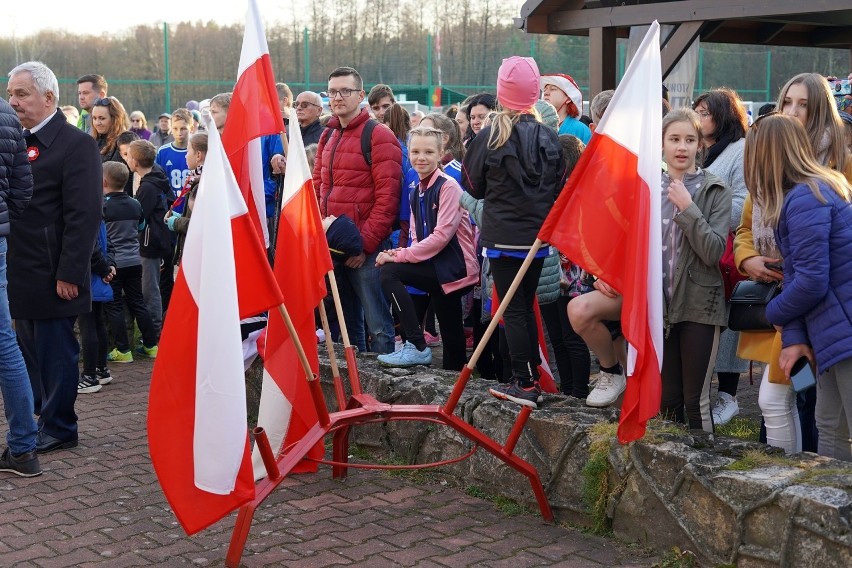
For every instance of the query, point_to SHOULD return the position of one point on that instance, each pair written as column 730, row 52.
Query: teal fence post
column 769, row 75
column 307, row 60
column 168, row 81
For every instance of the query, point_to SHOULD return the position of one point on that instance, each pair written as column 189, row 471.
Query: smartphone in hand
column 776, row 266
column 802, row 375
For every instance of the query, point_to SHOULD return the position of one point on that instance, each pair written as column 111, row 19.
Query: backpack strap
column 367, row 140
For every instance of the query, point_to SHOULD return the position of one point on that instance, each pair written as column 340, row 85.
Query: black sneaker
column 88, row 384
column 25, row 465
column 525, row 396
column 500, row 390
column 103, row 375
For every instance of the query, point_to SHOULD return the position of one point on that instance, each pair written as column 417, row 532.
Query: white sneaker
column 608, row 388
column 726, row 407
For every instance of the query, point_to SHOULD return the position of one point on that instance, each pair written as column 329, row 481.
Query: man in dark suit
column 50, row 249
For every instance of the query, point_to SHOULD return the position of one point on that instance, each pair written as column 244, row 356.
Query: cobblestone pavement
column 100, row 504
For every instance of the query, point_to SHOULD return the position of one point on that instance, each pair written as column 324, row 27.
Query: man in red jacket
column 365, row 189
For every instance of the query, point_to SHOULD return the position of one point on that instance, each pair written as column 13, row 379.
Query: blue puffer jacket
column 815, row 306
column 16, row 179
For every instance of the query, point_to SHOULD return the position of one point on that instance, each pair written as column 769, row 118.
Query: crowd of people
column 430, row 217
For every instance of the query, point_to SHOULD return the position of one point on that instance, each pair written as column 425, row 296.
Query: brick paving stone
column 100, row 505
column 468, row 556
column 411, row 556
column 361, row 552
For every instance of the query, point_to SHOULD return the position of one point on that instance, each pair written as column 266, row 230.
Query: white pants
column 778, row 405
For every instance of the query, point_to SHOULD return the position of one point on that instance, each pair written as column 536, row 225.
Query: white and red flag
column 607, row 220
column 301, row 261
column 197, row 425
column 254, row 112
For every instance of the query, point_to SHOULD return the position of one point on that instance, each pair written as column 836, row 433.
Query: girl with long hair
column 696, row 212
column 515, row 165
column 809, row 208
column 807, row 98
column 109, row 119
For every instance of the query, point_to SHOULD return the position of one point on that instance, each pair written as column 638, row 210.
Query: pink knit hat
column 517, row 83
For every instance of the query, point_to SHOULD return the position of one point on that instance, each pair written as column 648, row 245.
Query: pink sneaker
column 432, row 340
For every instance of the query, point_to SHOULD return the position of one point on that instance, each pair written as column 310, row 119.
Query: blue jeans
column 362, row 298
column 14, row 381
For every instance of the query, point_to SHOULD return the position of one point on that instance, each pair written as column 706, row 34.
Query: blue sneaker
column 408, row 356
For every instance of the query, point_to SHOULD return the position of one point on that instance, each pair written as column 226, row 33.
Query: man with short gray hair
column 50, row 250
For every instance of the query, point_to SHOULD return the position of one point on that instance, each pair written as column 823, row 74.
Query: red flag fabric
column 254, row 112
column 545, row 375
column 197, row 425
column 607, row 220
column 301, row 261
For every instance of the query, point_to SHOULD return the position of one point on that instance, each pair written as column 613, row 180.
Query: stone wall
column 728, row 501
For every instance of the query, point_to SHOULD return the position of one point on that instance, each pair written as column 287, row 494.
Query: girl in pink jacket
column 441, row 259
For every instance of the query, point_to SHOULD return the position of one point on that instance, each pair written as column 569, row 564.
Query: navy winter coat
column 16, row 178
column 815, row 306
column 53, row 238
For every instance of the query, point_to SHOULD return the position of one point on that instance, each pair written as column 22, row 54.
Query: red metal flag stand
column 361, row 408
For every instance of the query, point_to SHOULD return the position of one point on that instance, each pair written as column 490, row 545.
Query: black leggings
column 689, row 355
column 395, row 276
column 94, row 339
column 519, row 318
column 573, row 360
column 490, row 363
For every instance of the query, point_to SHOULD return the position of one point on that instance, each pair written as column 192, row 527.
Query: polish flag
column 301, row 261
column 607, row 220
column 545, row 375
column 254, row 112
column 197, row 425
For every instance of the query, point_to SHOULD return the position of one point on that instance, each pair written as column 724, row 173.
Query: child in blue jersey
column 172, row 156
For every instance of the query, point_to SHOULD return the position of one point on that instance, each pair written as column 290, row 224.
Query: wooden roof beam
column 676, row 44
column 768, row 32
column 566, row 21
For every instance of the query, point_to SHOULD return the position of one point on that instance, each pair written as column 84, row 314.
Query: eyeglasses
column 332, row 93
column 104, row 102
column 762, row 116
column 306, row 104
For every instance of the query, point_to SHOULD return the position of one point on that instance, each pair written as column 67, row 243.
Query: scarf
column 764, row 236
column 716, row 149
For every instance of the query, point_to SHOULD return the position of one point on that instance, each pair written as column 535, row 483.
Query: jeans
column 151, row 291
column 834, row 411
column 14, row 381
column 129, row 281
column 51, row 352
column 362, row 299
